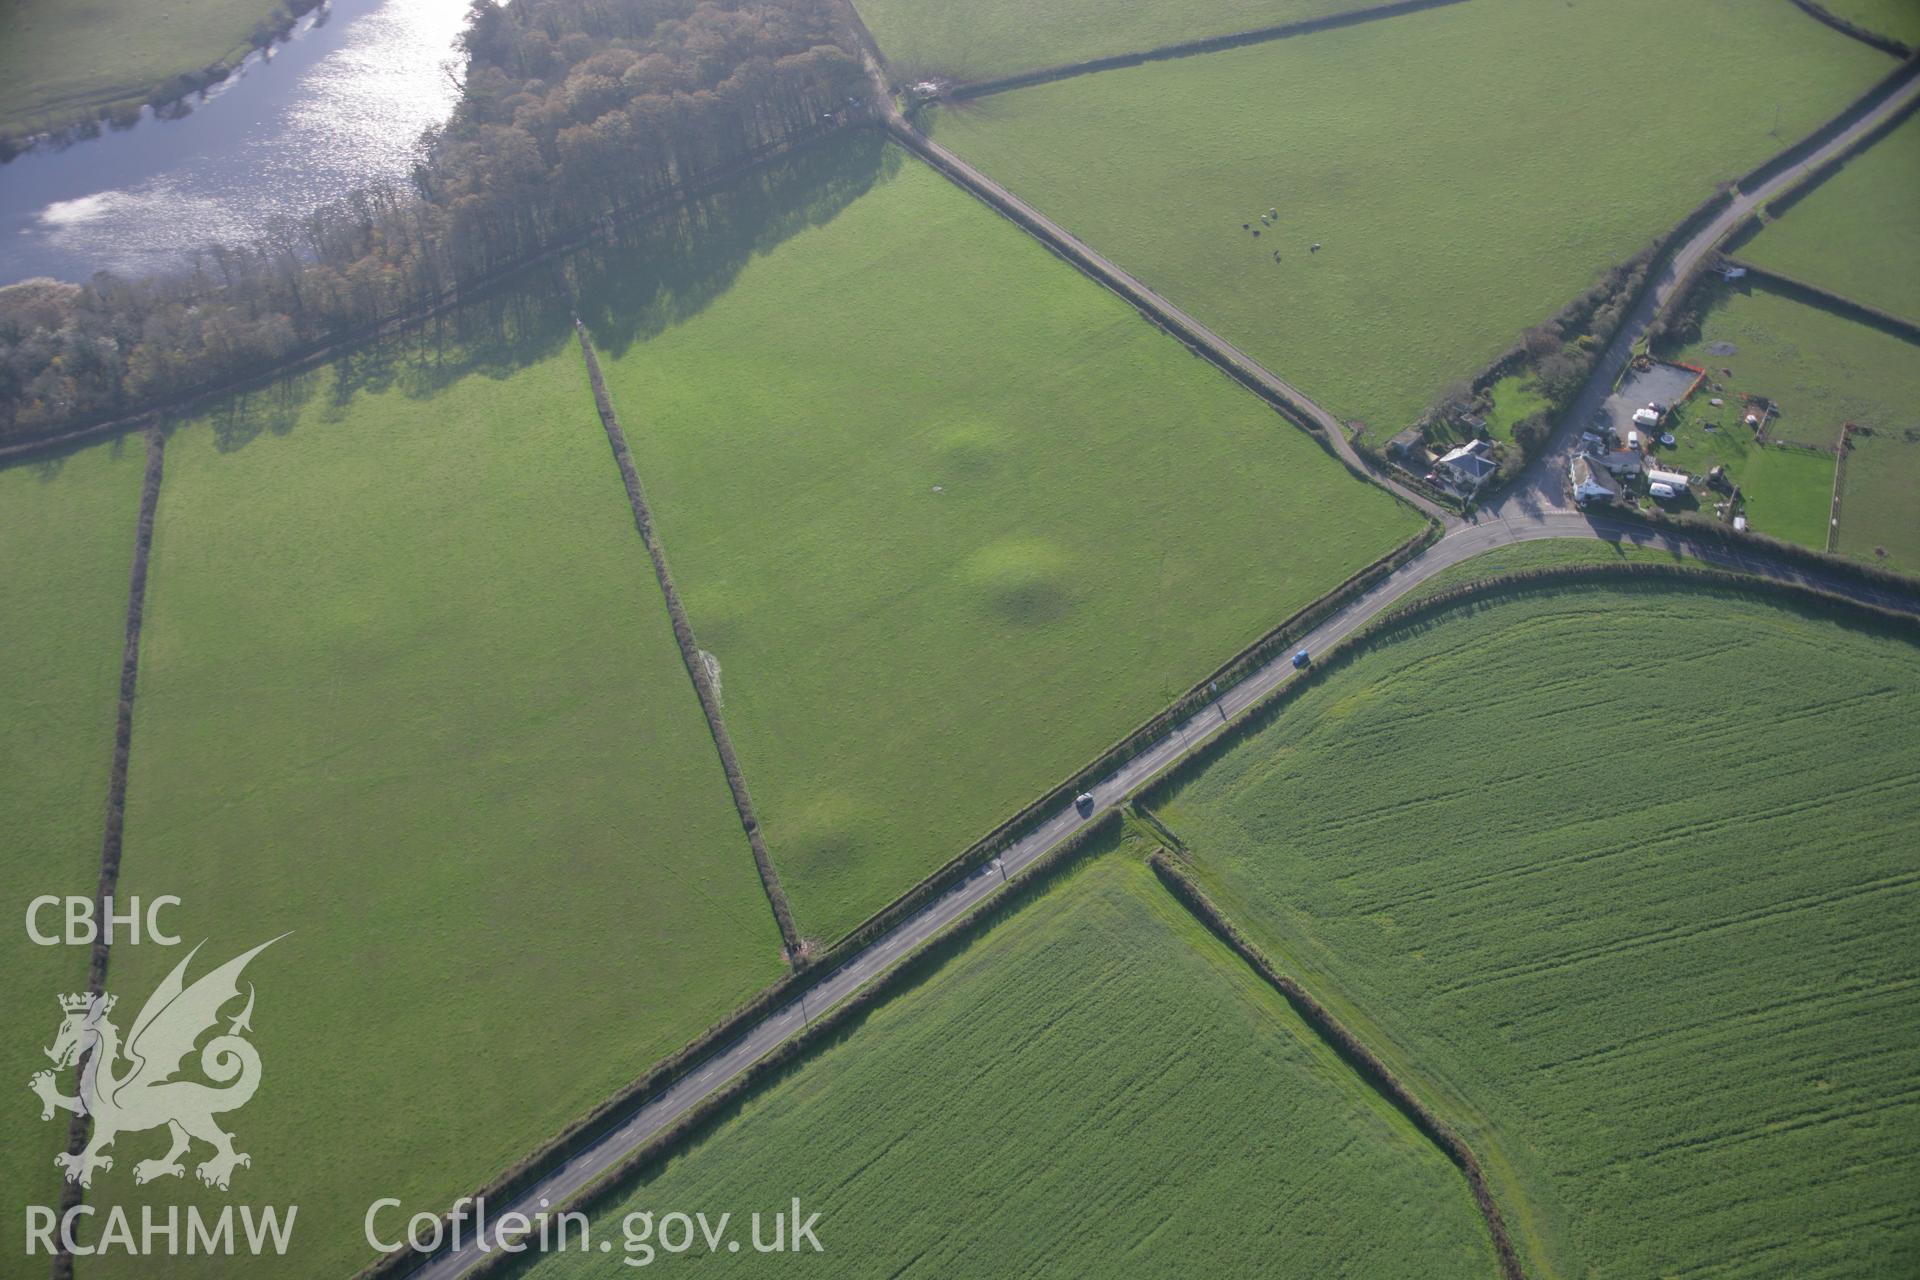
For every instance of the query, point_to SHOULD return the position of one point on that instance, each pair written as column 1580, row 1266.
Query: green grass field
column 1855, row 234
column 66, row 542
column 952, row 519
column 1897, row 18
column 1622, row 880
column 1822, row 370
column 1514, row 397
column 1000, row 37
column 1544, row 554
column 62, row 59
column 1787, row 490
column 408, row 689
column 1877, row 499
column 1455, row 203
column 1096, row 1087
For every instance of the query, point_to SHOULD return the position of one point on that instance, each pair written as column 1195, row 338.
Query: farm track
column 1533, row 509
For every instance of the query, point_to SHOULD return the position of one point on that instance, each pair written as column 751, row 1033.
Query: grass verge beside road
column 1539, row 555
column 1855, row 234
column 1094, row 1084
column 1688, row 759
column 408, row 690
column 949, row 518
column 1170, row 168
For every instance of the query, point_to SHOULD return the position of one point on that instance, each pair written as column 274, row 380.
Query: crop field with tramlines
column 1095, row 1086
column 66, row 541
column 884, row 610
column 408, row 690
column 1622, row 878
column 949, row 518
column 1452, row 208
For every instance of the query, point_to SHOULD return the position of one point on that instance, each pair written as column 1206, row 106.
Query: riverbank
column 65, row 67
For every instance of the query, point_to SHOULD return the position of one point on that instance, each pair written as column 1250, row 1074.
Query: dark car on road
column 1300, row 660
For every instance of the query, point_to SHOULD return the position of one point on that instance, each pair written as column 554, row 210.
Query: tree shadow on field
column 657, row 273
column 46, row 467
column 665, row 271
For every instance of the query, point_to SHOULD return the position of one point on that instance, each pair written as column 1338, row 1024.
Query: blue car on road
column 1300, row 660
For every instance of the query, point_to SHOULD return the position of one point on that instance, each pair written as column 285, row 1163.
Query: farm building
column 1411, row 445
column 1621, row 462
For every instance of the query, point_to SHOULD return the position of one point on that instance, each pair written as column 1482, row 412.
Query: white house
column 1621, row 462
column 1590, row 481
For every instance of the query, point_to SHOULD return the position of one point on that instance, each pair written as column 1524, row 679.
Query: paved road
column 1105, row 270
column 1462, row 544
column 1534, row 510
column 1543, row 485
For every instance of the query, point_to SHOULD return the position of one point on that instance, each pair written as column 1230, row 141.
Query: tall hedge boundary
column 1879, row 92
column 1810, row 181
column 1520, row 582
column 588, row 1129
column 114, row 828
column 304, row 359
column 822, row 1032
column 1155, row 310
column 689, row 650
column 1820, row 13
column 1858, row 574
column 1187, row 48
column 1813, row 295
column 1352, row 1051
column 1141, row 739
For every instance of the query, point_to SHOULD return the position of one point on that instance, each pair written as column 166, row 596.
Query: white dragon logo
column 147, row 1096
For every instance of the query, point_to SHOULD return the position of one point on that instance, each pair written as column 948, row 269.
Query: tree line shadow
column 644, row 278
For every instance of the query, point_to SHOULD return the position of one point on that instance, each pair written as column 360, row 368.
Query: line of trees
column 575, row 112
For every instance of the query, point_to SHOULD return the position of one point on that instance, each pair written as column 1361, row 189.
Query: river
column 341, row 103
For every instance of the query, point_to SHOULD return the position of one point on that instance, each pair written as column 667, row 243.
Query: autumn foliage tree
column 575, row 112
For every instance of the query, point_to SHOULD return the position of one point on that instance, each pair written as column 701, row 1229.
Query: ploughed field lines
column 1090, row 1084
column 1622, row 880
